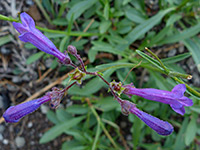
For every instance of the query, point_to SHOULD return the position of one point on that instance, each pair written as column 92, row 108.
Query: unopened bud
column 72, row 49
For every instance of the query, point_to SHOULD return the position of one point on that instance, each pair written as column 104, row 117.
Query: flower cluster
column 29, row 33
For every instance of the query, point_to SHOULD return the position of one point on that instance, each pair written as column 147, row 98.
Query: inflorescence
column 29, row 33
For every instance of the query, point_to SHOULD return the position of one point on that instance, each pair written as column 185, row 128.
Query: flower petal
column 161, row 127
column 179, row 90
column 15, row 113
column 20, row 27
column 27, row 20
column 42, row 43
column 179, row 110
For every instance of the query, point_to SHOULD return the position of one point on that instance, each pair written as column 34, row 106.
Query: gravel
column 20, row 141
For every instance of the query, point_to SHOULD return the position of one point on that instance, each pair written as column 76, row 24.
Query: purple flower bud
column 175, row 98
column 15, row 113
column 30, row 34
column 161, row 127
column 72, row 49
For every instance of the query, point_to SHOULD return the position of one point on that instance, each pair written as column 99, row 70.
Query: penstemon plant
column 174, row 98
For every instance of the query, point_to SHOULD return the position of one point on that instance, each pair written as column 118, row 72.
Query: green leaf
column 73, row 145
column 173, row 18
column 5, row 39
column 62, row 115
column 103, row 47
column 134, row 15
column 63, row 45
column 52, row 117
column 77, row 109
column 179, row 142
column 195, row 109
column 106, row 11
column 137, row 127
column 176, row 58
column 116, row 65
column 80, row 8
column 193, row 46
column 187, row 33
column 60, row 21
column 107, row 104
column 34, row 57
column 59, row 129
column 149, row 59
column 191, row 130
column 104, row 26
column 141, row 29
column 77, row 134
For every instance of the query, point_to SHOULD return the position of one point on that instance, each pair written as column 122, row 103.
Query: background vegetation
column 111, row 37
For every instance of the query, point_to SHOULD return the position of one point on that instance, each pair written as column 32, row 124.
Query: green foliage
column 118, row 26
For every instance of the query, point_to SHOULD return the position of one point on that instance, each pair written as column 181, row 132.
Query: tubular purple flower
column 161, row 127
column 15, row 113
column 174, row 98
column 30, row 34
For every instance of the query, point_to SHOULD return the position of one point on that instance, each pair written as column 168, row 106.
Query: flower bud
column 72, row 49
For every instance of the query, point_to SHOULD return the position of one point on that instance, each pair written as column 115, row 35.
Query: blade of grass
column 96, row 137
column 101, row 124
column 43, row 11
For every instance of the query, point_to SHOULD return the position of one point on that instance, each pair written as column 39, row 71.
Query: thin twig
column 85, row 30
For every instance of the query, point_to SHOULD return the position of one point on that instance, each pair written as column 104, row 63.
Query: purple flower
column 161, row 127
column 15, row 113
column 174, row 98
column 30, row 34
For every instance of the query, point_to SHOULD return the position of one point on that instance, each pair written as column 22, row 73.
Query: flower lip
column 174, row 98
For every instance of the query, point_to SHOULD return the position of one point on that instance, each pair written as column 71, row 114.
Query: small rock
column 40, row 134
column 32, row 143
column 5, row 51
column 190, row 64
column 29, row 2
column 181, row 49
column 171, row 53
column 1, row 102
column 20, row 141
column 129, row 137
column 44, row 109
column 196, row 79
column 123, row 124
column 5, row 141
column 16, row 79
column 30, row 124
column 11, row 87
column 48, row 62
column 2, row 128
column 26, row 78
column 1, row 137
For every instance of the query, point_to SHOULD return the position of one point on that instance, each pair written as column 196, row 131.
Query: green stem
column 177, row 74
column 66, row 33
column 103, row 127
column 43, row 11
column 182, row 5
column 96, row 137
column 153, row 54
column 2, row 17
column 62, row 8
